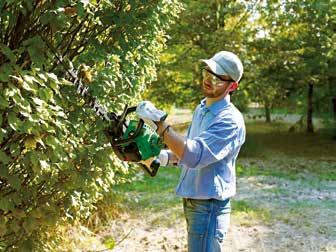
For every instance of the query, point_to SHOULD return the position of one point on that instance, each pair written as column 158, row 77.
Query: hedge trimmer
column 131, row 140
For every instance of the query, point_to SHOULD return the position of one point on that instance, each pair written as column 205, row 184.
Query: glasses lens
column 205, row 74
column 210, row 77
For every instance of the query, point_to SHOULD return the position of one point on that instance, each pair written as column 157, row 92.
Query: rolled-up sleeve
column 210, row 146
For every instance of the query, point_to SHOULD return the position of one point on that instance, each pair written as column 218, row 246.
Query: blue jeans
column 207, row 224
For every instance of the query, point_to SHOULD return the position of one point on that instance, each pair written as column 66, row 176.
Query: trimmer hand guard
column 134, row 141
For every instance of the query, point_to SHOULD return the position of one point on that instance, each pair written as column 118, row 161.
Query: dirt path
column 299, row 218
column 136, row 235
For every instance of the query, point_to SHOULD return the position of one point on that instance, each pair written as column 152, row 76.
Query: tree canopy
column 287, row 49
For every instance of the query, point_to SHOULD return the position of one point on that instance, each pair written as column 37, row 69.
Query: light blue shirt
column 213, row 142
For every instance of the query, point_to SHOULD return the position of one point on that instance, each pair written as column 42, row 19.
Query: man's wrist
column 162, row 127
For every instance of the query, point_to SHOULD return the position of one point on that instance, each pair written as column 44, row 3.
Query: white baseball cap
column 226, row 63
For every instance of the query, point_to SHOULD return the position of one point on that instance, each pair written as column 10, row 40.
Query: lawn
column 286, row 199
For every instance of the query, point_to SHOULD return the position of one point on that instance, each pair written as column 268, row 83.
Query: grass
column 272, row 151
column 149, row 193
column 246, row 213
column 269, row 151
column 264, row 138
column 307, row 212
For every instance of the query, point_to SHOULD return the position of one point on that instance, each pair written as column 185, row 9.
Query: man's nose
column 207, row 81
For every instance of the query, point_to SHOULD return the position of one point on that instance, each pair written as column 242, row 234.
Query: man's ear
column 234, row 86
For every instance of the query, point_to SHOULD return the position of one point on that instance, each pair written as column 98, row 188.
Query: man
column 208, row 154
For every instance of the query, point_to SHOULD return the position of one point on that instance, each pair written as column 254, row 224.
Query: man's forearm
column 173, row 140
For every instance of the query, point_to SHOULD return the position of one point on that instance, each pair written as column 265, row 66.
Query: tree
column 296, row 40
column 55, row 162
column 204, row 28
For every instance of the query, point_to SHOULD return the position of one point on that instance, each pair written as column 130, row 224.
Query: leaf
column 80, row 9
column 70, row 11
column 3, row 102
column 42, row 77
column 15, row 227
column 30, row 143
column 13, row 121
column 44, row 164
column 11, row 90
column 29, row 224
column 30, row 87
column 53, row 77
column 47, row 17
column 22, row 103
column 25, row 114
column 19, row 80
column 15, row 149
column 30, row 126
column 8, row 53
column 4, row 158
column 3, row 133
column 28, row 244
column 35, row 48
column 6, row 204
column 51, row 141
column 38, row 101
column 5, row 71
column 14, row 181
column 66, row 82
column 35, row 162
column 28, row 78
column 3, row 228
column 46, row 94
column 39, row 140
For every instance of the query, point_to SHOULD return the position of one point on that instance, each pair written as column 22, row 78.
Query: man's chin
column 208, row 93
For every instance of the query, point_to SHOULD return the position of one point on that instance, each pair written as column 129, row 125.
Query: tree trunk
column 334, row 106
column 334, row 112
column 310, row 127
column 267, row 112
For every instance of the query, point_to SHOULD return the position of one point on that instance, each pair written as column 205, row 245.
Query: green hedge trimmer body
column 131, row 140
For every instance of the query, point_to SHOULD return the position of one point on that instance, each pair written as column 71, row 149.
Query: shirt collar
column 217, row 106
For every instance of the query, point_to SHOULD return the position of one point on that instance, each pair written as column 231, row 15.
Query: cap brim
column 214, row 67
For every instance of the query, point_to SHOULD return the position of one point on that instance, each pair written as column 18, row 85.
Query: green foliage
column 292, row 49
column 55, row 161
column 284, row 45
column 204, row 28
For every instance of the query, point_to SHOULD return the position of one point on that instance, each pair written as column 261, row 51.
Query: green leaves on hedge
column 55, row 162
column 8, row 53
column 4, row 158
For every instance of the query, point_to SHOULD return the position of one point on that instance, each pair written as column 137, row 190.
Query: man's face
column 212, row 86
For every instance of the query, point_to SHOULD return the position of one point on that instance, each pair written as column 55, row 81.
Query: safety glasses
column 215, row 79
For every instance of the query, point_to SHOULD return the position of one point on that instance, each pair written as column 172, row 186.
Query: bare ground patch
column 300, row 217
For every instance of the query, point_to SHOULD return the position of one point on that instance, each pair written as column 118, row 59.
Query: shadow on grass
column 263, row 139
column 271, row 150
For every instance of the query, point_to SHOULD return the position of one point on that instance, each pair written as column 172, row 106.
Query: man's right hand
column 147, row 111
